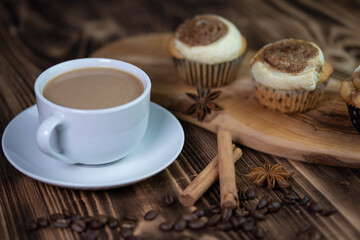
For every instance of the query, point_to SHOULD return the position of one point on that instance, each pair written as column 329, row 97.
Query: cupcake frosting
column 288, row 65
column 208, row 39
column 350, row 89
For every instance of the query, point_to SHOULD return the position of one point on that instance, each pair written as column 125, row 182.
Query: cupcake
column 207, row 49
column 350, row 92
column 290, row 75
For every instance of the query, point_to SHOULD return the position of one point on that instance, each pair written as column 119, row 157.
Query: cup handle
column 44, row 132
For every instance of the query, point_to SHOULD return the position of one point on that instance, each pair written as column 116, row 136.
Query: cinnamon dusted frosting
column 350, row 89
column 208, row 39
column 290, row 64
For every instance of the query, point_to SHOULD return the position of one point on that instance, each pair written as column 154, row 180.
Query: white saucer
column 161, row 145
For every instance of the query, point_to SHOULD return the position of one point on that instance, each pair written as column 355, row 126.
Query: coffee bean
column 224, row 226
column 328, row 211
column 290, row 196
column 150, row 215
column 89, row 235
column 287, row 201
column 250, row 207
column 242, row 196
column 180, row 225
column 76, row 217
column 261, row 204
column 87, row 219
column 31, row 225
column 214, row 219
column 126, row 232
column 248, row 224
column 263, row 210
column 197, row 224
column 113, row 222
column 250, row 194
column 226, row 214
column 273, row 206
column 62, row 223
column 190, row 217
column 67, row 214
column 56, row 216
column 215, row 210
column 304, row 201
column 130, row 218
column 42, row 222
column 78, row 226
column 127, row 224
column 199, row 212
column 259, row 233
column 166, row 226
column 258, row 215
column 168, row 200
column 315, row 207
column 241, row 213
column 236, row 222
column 102, row 218
column 96, row 224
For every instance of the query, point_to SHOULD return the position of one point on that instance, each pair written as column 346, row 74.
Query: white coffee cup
column 91, row 136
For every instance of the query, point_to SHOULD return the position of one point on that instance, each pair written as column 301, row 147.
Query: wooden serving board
column 323, row 135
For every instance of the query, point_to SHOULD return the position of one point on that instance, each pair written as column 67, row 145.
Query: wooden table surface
column 35, row 35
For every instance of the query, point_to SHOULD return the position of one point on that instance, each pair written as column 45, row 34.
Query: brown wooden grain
column 37, row 34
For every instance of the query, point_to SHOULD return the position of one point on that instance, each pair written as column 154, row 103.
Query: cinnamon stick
column 204, row 180
column 228, row 190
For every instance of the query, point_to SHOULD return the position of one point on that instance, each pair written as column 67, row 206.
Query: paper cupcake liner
column 288, row 101
column 354, row 113
column 209, row 75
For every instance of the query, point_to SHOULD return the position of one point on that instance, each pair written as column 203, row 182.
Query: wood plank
column 323, row 135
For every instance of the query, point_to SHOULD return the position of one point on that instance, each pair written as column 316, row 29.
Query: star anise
column 203, row 102
column 273, row 175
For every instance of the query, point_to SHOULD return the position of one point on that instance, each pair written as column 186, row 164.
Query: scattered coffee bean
column 287, row 201
column 42, row 222
column 62, row 223
column 56, row 216
column 67, row 214
column 259, row 233
column 180, row 225
column 87, row 219
column 31, row 225
column 250, row 194
column 248, row 224
column 102, row 218
column 168, row 200
column 273, row 206
column 214, row 219
column 78, row 226
column 126, row 232
column 258, row 215
column 304, row 201
column 150, row 215
column 89, row 235
column 263, row 210
column 328, row 211
column 315, row 207
column 166, row 226
column 190, row 217
column 226, row 214
column 96, row 224
column 113, row 222
column 242, row 196
column 224, row 226
column 236, row 222
column 199, row 212
column 130, row 218
column 290, row 196
column 241, row 213
column 76, row 217
column 261, row 204
column 197, row 224
column 215, row 210
column 127, row 224
column 250, row 207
